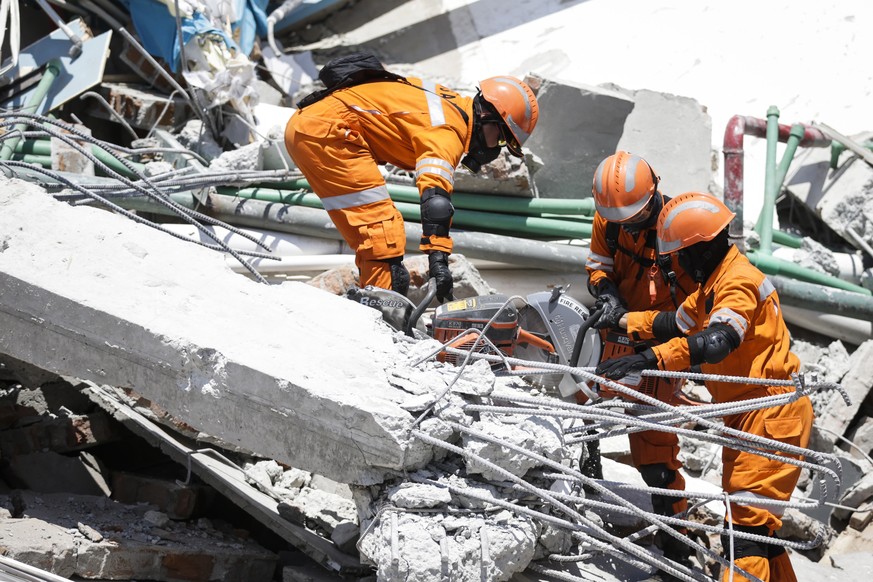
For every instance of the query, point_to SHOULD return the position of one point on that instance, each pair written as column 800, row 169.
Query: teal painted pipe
column 520, row 226
column 794, row 137
column 823, row 299
column 765, row 220
column 52, row 71
column 44, row 161
column 43, row 147
column 837, row 149
column 774, row 266
column 484, row 202
column 787, row 240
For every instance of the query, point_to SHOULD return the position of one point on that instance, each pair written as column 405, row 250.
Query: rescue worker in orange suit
column 625, row 274
column 339, row 142
column 731, row 325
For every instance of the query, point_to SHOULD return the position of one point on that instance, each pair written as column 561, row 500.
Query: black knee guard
column 399, row 275
column 744, row 548
column 660, row 476
column 436, row 212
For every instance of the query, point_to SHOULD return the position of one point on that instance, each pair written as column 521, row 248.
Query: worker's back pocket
column 317, row 127
column 786, row 430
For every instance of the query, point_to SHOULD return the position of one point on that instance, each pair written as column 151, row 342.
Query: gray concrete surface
column 277, row 370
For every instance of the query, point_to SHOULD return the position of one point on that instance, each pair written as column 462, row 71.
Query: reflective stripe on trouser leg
column 339, row 166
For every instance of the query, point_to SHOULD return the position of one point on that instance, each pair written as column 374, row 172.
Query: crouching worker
column 732, row 325
column 339, row 136
column 626, row 273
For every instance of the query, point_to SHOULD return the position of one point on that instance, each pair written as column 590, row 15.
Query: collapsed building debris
column 485, row 487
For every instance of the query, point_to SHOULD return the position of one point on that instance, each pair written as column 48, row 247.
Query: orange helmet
column 516, row 104
column 624, row 184
column 691, row 218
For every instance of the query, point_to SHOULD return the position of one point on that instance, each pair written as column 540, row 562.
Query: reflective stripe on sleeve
column 599, row 262
column 435, row 166
column 732, row 318
column 683, row 320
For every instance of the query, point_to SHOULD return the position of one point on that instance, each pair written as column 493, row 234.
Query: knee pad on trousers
column 657, row 475
column 399, row 275
column 660, row 476
column 744, row 548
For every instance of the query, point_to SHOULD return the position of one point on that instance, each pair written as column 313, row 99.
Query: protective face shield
column 646, row 217
column 479, row 153
column 701, row 259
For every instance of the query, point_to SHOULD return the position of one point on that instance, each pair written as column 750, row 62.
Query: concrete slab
column 836, row 417
column 579, row 125
column 673, row 133
column 88, row 294
column 841, row 197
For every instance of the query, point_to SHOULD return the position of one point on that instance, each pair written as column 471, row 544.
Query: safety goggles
column 508, row 139
column 640, row 220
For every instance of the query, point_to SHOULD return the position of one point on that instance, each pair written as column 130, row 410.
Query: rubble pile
column 164, row 419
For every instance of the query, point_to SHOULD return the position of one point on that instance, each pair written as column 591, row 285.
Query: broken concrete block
column 840, row 198
column 345, row 536
column 318, row 508
column 176, row 500
column 538, row 434
column 863, row 439
column 578, row 126
column 836, row 417
column 292, row 381
column 436, row 547
column 60, row 435
column 419, row 496
column 673, row 134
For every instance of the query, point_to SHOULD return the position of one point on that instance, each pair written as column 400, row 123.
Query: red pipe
column 739, row 126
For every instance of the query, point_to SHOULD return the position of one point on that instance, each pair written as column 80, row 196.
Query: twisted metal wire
column 153, row 192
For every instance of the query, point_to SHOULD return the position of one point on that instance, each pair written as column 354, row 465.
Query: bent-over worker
column 339, row 141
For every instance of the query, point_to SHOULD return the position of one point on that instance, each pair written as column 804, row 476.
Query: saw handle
column 416, row 313
column 577, row 347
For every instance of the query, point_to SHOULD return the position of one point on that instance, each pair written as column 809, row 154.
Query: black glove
column 612, row 311
column 618, row 368
column 438, row 265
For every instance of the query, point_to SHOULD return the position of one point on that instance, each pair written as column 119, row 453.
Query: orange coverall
column 741, row 296
column 339, row 142
column 635, row 282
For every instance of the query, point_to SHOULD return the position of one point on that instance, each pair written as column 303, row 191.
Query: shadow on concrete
column 437, row 35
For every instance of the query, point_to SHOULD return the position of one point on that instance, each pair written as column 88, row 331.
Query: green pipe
column 823, row 299
column 52, row 71
column 517, row 225
column 484, row 202
column 774, row 266
column 43, row 147
column 837, row 149
column 765, row 220
column 794, row 138
column 44, row 161
column 787, row 240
